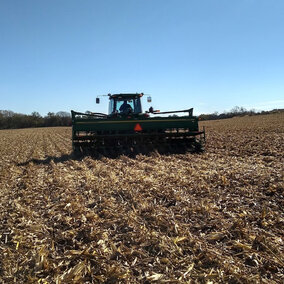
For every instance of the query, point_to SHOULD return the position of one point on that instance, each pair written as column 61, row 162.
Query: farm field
column 215, row 217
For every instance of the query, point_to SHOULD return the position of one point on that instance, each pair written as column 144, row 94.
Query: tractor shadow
column 49, row 159
column 80, row 155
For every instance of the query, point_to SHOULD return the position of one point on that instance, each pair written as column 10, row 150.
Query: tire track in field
column 63, row 144
column 40, row 151
column 45, row 146
column 33, row 144
column 50, row 149
column 66, row 136
column 53, row 139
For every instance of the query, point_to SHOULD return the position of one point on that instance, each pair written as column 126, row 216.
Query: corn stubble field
column 215, row 217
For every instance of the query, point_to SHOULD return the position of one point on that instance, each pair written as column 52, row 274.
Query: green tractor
column 127, row 130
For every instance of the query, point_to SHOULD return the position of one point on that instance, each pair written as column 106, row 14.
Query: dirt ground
column 215, row 217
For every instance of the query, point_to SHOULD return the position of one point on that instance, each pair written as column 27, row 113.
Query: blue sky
column 58, row 55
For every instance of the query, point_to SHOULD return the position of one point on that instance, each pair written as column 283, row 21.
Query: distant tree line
column 10, row 119
column 236, row 111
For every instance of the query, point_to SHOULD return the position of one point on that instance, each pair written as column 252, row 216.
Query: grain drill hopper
column 126, row 129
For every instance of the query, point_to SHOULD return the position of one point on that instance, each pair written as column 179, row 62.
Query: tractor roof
column 126, row 96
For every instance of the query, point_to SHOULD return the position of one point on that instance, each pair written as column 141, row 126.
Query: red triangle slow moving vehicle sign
column 138, row 127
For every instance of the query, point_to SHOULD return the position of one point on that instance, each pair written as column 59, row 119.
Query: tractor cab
column 125, row 104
